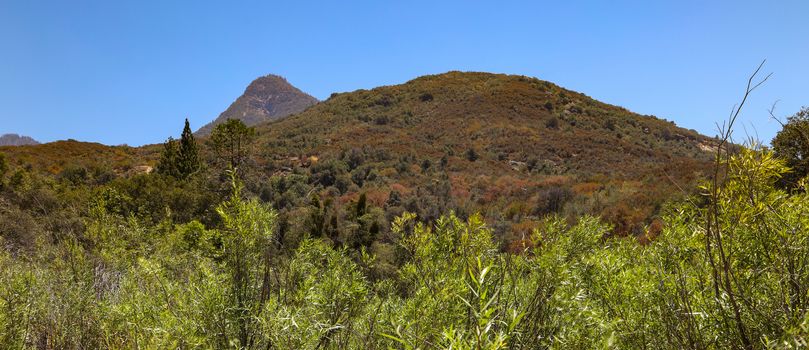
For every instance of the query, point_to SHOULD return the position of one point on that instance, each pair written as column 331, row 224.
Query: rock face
column 266, row 99
column 16, row 140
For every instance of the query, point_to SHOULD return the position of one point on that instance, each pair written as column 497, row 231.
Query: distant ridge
column 266, row 99
column 16, row 140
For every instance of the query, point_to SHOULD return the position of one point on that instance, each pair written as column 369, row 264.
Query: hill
column 510, row 146
column 266, row 99
column 513, row 148
column 297, row 247
column 55, row 157
column 16, row 140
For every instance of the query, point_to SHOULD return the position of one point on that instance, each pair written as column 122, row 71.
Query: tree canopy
column 231, row 142
column 180, row 161
column 792, row 145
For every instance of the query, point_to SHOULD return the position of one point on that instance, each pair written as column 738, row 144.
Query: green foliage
column 158, row 198
column 236, row 282
column 246, row 242
column 792, row 145
column 188, row 162
column 231, row 143
column 180, row 161
column 169, row 159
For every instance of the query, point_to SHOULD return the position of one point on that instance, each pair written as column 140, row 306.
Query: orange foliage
column 377, row 197
column 654, row 230
column 401, row 189
column 555, row 181
column 587, row 188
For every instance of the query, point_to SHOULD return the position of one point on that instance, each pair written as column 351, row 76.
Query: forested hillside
column 511, row 147
column 462, row 210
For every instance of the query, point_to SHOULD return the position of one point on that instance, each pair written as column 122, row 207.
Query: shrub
column 552, row 200
column 471, row 155
column 552, row 123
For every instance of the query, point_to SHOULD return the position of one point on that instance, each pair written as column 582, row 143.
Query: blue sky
column 129, row 72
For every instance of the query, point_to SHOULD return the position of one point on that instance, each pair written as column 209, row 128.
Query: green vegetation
column 124, row 283
column 503, row 143
column 230, row 141
column 792, row 144
column 180, row 161
column 331, row 230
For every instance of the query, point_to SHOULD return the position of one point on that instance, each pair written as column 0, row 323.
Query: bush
column 552, row 200
column 726, row 271
column 471, row 155
column 552, row 123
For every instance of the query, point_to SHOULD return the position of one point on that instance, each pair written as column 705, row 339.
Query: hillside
column 267, row 98
column 16, row 140
column 508, row 146
column 448, row 210
column 54, row 157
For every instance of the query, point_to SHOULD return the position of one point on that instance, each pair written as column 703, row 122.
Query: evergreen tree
column 168, row 164
column 362, row 205
column 180, row 161
column 231, row 141
column 188, row 161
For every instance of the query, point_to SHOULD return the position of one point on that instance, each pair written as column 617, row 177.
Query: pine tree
column 231, row 142
column 188, row 161
column 168, row 159
column 180, row 161
column 362, row 205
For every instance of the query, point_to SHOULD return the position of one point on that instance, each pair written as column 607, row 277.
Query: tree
column 246, row 240
column 188, row 162
column 168, row 164
column 792, row 145
column 180, row 161
column 231, row 142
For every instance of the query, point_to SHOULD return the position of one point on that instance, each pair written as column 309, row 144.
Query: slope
column 509, row 146
column 267, row 98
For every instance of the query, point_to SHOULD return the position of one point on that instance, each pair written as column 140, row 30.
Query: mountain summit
column 16, row 140
column 267, row 98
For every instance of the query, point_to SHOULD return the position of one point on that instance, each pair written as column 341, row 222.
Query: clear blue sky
column 129, row 71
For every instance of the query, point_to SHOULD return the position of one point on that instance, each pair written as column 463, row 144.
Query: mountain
column 16, row 140
column 505, row 145
column 513, row 148
column 267, row 98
